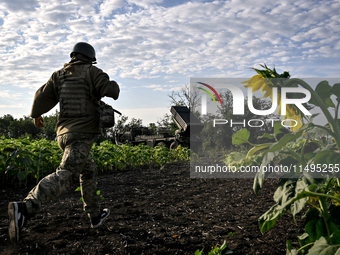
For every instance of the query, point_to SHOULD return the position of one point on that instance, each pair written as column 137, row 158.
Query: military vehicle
column 186, row 135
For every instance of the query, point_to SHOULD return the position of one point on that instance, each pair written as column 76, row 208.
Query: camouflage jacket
column 47, row 97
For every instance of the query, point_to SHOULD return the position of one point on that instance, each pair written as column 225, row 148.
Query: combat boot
column 97, row 221
column 17, row 213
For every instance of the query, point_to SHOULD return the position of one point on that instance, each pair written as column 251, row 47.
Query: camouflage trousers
column 75, row 165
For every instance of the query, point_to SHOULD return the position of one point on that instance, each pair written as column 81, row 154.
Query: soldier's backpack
column 107, row 115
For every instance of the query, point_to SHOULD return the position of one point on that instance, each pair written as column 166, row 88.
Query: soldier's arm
column 45, row 98
column 103, row 85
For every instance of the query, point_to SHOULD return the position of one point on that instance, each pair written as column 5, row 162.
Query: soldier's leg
column 47, row 189
column 76, row 152
column 88, row 184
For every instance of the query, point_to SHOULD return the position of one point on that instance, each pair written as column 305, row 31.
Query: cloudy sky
column 153, row 47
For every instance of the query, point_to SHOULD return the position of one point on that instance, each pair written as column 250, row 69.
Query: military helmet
column 85, row 49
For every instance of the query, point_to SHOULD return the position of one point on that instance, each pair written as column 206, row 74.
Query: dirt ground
column 158, row 211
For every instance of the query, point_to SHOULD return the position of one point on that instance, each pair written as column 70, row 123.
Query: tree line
column 11, row 127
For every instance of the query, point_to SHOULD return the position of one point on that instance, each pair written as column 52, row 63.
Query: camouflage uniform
column 75, row 131
column 76, row 164
column 78, row 88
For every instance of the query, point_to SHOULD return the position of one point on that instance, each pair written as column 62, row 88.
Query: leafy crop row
column 26, row 160
column 109, row 156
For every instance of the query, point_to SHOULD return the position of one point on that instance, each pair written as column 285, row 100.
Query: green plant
column 216, row 250
column 312, row 164
column 25, row 160
column 98, row 194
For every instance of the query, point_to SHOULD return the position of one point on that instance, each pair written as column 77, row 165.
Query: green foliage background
column 25, row 160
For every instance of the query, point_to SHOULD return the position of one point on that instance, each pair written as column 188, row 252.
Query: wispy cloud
column 11, row 95
column 165, row 88
column 145, row 39
column 13, row 106
column 183, row 39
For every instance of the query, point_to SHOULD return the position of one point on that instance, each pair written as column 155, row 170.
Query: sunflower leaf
column 324, row 90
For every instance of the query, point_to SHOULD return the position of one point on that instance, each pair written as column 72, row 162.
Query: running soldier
column 77, row 87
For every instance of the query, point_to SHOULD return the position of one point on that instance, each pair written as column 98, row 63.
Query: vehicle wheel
column 174, row 145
